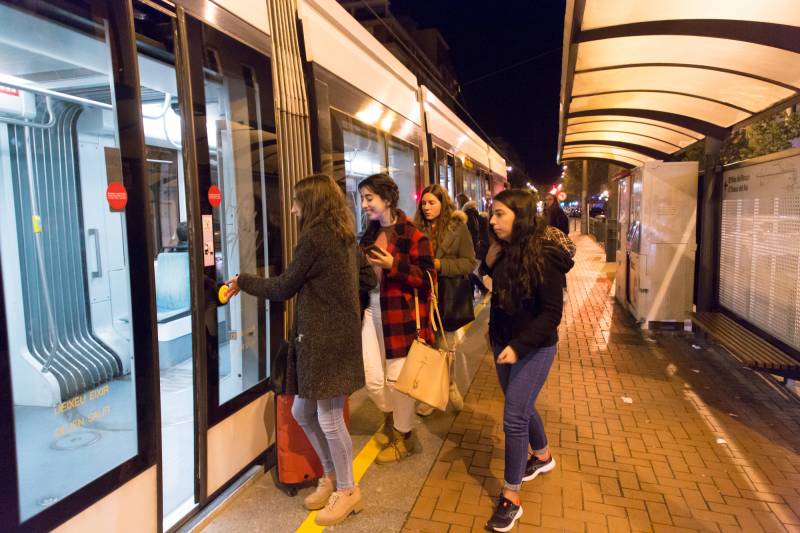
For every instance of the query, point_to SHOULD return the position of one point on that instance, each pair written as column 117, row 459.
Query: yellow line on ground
column 361, row 463
column 367, row 455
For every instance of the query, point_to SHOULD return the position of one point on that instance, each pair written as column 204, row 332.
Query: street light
column 509, row 169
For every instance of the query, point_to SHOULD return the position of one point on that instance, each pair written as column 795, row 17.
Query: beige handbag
column 426, row 372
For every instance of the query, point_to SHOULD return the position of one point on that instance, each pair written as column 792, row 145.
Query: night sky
column 519, row 104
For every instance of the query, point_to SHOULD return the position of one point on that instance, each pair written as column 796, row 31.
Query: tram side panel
column 366, row 111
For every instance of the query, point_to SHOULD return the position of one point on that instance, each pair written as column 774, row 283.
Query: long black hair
column 524, row 265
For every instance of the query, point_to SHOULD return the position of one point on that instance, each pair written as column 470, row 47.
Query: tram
column 140, row 167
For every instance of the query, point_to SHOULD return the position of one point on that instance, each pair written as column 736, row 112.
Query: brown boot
column 400, row 448
column 339, row 507
column 319, row 498
column 384, row 436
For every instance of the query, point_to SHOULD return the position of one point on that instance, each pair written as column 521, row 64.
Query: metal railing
column 605, row 232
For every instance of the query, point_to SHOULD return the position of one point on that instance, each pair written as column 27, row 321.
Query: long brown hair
column 322, row 202
column 445, row 220
column 524, row 253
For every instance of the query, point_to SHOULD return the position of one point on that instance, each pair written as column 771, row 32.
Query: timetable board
column 759, row 267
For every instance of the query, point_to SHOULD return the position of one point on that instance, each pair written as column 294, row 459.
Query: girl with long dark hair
column 324, row 274
column 528, row 273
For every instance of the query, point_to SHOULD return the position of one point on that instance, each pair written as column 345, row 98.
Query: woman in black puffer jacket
column 528, row 273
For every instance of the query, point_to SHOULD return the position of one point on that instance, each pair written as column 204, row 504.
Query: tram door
column 241, row 209
column 234, row 219
column 166, row 179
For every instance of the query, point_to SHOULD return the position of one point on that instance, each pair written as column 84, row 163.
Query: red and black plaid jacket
column 413, row 256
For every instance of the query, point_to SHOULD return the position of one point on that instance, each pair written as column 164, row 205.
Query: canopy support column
column 585, row 198
column 709, row 220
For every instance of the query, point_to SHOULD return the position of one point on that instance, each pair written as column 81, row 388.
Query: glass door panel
column 164, row 172
column 64, row 254
column 245, row 224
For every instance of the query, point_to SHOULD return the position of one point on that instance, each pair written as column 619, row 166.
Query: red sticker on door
column 117, row 196
column 214, row 196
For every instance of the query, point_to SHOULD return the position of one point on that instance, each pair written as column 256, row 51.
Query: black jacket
column 535, row 324
column 478, row 229
column 557, row 218
column 325, row 276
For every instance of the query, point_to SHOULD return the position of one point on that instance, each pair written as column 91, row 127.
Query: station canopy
column 643, row 79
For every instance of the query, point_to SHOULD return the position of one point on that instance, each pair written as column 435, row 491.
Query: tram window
column 403, row 167
column 451, row 176
column 360, row 151
column 242, row 158
column 166, row 196
column 63, row 254
column 441, row 167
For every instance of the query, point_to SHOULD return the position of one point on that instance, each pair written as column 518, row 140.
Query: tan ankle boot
column 339, row 507
column 400, row 448
column 319, row 498
column 384, row 437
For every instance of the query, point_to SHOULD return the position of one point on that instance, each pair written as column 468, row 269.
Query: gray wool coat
column 325, row 276
column 456, row 251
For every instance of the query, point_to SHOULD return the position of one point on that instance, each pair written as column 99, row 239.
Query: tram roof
column 642, row 80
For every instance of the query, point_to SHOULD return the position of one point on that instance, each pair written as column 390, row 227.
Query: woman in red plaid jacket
column 401, row 255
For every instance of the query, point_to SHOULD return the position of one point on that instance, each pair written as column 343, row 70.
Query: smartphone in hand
column 373, row 251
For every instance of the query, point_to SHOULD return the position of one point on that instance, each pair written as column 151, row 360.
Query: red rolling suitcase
column 297, row 460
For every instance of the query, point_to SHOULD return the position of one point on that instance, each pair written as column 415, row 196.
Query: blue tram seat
column 172, row 285
column 173, row 307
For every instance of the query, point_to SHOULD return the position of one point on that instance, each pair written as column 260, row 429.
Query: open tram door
column 212, row 168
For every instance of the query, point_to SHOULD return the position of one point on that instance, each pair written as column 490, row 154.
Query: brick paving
column 698, row 444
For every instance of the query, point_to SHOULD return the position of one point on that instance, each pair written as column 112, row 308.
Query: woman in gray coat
column 454, row 254
column 324, row 274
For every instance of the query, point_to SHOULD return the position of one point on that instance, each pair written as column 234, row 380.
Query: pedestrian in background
column 454, row 257
column 478, row 227
column 324, row 273
column 527, row 275
column 556, row 216
column 402, row 258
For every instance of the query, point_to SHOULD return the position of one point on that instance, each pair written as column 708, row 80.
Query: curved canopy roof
column 642, row 80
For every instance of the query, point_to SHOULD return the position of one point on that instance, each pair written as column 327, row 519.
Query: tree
column 769, row 135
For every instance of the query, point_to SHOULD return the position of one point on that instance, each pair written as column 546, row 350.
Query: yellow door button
column 222, row 294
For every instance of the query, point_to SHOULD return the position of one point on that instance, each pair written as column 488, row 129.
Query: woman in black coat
column 324, row 273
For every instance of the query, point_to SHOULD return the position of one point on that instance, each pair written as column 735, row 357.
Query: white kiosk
column 655, row 260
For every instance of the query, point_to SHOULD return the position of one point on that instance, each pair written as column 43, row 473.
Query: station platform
column 652, row 431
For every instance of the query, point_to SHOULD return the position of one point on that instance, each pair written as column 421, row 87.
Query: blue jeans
column 323, row 423
column 522, row 425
